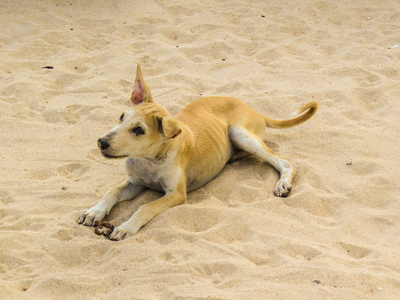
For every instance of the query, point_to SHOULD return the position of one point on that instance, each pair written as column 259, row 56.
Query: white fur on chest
column 161, row 177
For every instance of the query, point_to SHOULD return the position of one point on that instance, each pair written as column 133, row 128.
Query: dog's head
column 144, row 130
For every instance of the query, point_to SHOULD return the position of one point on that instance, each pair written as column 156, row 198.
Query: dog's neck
column 165, row 154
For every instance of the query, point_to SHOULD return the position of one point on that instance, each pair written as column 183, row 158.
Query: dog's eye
column 138, row 131
column 121, row 118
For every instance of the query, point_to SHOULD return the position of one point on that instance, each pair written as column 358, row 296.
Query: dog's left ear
column 169, row 127
column 141, row 92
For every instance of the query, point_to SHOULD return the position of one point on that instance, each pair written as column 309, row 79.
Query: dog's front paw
column 283, row 188
column 89, row 217
column 121, row 232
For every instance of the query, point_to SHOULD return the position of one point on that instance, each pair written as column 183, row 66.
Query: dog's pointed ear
column 169, row 127
column 141, row 92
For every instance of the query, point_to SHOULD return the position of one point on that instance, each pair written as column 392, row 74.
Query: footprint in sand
column 9, row 262
column 196, row 219
column 73, row 171
column 64, row 235
column 176, row 257
column 298, row 251
column 355, row 251
column 216, row 272
column 41, row 174
column 5, row 198
column 70, row 114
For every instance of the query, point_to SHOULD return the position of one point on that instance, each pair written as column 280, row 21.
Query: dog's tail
column 306, row 111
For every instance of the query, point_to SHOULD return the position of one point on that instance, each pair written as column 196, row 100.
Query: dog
column 176, row 155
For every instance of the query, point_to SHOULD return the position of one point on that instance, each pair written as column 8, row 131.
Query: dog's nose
column 103, row 144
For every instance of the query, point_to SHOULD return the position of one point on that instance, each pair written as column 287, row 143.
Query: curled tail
column 306, row 111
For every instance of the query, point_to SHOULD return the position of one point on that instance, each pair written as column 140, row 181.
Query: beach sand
column 67, row 71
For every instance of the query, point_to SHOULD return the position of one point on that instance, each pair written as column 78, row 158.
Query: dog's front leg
column 122, row 192
column 147, row 212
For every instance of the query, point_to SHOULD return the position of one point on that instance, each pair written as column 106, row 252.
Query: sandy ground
column 66, row 71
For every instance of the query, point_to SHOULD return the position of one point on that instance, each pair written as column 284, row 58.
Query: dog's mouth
column 112, row 156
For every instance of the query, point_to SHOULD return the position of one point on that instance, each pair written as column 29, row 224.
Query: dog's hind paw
column 283, row 188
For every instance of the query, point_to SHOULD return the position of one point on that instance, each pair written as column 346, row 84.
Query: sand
column 67, row 69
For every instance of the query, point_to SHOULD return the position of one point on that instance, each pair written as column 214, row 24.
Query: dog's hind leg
column 251, row 143
column 122, row 192
column 238, row 155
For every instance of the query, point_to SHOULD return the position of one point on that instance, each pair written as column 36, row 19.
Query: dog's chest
column 147, row 174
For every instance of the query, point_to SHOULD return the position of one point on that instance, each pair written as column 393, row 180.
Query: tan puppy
column 178, row 154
